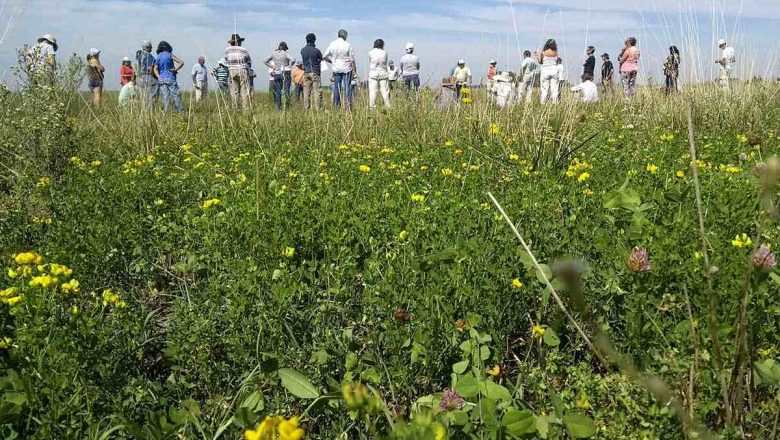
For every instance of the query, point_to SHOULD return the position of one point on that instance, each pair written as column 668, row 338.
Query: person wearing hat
column 126, row 71
column 503, row 92
column 221, row 74
column 95, row 75
column 342, row 57
column 311, row 57
column 145, row 79
column 281, row 63
column 607, row 71
column 47, row 50
column 528, row 71
column 589, row 65
column 549, row 78
column 491, row 74
column 725, row 62
column 166, row 69
column 462, row 75
column 410, row 68
column 238, row 62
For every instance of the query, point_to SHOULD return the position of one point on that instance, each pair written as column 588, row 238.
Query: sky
column 443, row 31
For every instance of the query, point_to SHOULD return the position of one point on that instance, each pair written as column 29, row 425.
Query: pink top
column 630, row 65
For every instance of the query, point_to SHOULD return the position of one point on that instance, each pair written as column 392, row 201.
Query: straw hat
column 50, row 39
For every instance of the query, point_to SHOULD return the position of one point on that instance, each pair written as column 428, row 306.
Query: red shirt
column 125, row 74
column 492, row 72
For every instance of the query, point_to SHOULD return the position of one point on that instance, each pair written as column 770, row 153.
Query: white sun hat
column 94, row 51
column 721, row 42
column 493, row 62
column 125, row 59
column 50, row 38
column 409, row 47
column 461, row 61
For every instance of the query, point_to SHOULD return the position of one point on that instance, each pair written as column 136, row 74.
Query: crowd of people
column 152, row 77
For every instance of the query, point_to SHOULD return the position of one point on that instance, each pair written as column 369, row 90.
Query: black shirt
column 311, row 57
column 590, row 65
column 607, row 69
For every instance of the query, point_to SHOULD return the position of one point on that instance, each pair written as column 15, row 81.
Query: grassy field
column 347, row 275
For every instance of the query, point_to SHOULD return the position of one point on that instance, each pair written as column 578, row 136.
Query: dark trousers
column 282, row 83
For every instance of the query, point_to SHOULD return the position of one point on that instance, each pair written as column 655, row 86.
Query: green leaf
column 518, row 423
column 460, row 367
column 484, row 353
column 580, row 425
column 775, row 277
column 768, row 372
column 467, row 386
column 550, row 338
column 254, row 402
column 543, row 425
column 495, row 391
column 297, row 384
column 370, row 375
column 486, row 411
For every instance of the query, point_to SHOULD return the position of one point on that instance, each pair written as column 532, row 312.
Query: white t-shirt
column 504, row 93
column 531, row 68
column 729, row 55
column 462, row 74
column 590, row 93
column 341, row 55
column 128, row 93
column 377, row 64
column 392, row 73
column 410, row 65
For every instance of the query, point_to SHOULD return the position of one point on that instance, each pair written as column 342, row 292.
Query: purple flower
column 638, row 261
column 451, row 400
column 764, row 259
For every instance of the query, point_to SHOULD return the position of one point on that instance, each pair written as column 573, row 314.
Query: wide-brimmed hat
column 235, row 38
column 504, row 77
column 50, row 39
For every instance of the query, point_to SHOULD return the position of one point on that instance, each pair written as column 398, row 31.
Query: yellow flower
column 74, row 310
column 587, row 192
column 680, row 173
column 44, row 281
column 419, row 198
column 581, row 402
column 288, row 252
column 741, row 240
column 59, row 269
column 28, row 258
column 517, row 284
column 583, row 177
column 424, row 168
column 10, row 291
column 449, row 143
column 495, row 371
column 513, row 157
column 537, row 331
column 731, row 169
column 96, row 163
column 210, row 203
column 364, row 169
column 651, row 168
column 495, row 129
column 5, row 342
column 12, row 273
column 13, row 300
column 43, row 182
column 441, row 432
column 742, row 139
column 289, row 430
column 403, row 235
column 159, row 202
column 458, row 153
column 446, row 171
column 70, row 287
column 112, row 299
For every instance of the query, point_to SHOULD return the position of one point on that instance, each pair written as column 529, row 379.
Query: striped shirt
column 237, row 57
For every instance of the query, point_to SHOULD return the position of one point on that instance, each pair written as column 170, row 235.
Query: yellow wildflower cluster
column 132, row 167
column 276, row 428
column 742, row 139
column 43, row 182
column 5, row 342
column 494, row 129
column 446, row 171
column 667, row 137
column 41, row 220
column 680, row 173
column 360, row 399
column 210, row 203
column 731, row 169
column 113, row 299
column 578, row 168
column 517, row 284
column 74, row 160
column 587, row 192
column 28, row 258
column 651, row 168
column 419, row 198
column 449, row 143
column 241, row 158
column 44, row 281
column 583, row 177
column 537, row 331
column 59, row 270
column 741, row 240
column 288, row 252
column 365, row 169
column 403, row 235
column 465, row 95
column 70, row 288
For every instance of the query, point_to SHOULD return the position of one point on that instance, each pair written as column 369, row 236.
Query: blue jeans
column 410, row 81
column 170, row 91
column 342, row 84
column 282, row 82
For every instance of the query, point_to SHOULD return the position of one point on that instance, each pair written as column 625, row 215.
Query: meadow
column 347, row 275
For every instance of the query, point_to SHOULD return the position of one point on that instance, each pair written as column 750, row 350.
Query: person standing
column 297, row 80
column 238, row 62
column 725, row 64
column 166, row 69
column 528, row 70
column 672, row 70
column 312, row 73
column 410, row 69
column 462, row 75
column 629, row 67
column 146, row 80
column 392, row 74
column 607, row 71
column 502, row 90
column 341, row 56
column 200, row 79
column 46, row 48
column 491, row 74
column 281, row 63
column 589, row 65
column 549, row 76
column 221, row 73
column 95, row 75
column 126, row 72
column 378, row 74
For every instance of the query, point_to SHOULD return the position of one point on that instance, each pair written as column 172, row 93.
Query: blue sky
column 443, row 31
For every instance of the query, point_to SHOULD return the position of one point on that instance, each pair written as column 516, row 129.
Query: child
column 590, row 93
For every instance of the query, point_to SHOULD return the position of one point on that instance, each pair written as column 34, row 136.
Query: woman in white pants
column 378, row 74
column 549, row 76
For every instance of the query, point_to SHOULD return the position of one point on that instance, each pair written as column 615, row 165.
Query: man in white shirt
column 528, row 71
column 462, row 76
column 377, row 74
column 200, row 79
column 725, row 62
column 588, row 89
column 410, row 69
column 342, row 59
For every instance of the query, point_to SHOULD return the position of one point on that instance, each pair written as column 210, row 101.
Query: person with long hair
column 95, row 74
column 629, row 67
column 166, row 68
column 281, row 63
column 549, row 77
column 672, row 70
column 378, row 74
